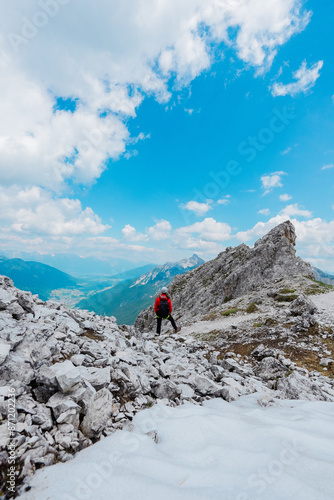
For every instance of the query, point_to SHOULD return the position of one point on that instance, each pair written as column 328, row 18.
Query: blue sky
column 112, row 150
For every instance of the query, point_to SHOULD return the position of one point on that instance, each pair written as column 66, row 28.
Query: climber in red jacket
column 163, row 308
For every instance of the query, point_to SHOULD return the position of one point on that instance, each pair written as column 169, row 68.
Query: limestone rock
column 46, row 376
column 204, row 385
column 97, row 377
column 260, row 352
column 298, row 387
column 165, row 389
column 271, row 368
column 4, row 351
column 67, row 375
column 60, row 403
column 302, row 305
column 98, row 414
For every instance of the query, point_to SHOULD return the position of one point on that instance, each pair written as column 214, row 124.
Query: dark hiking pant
column 159, row 320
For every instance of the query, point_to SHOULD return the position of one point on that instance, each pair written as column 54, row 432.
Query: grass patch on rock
column 210, row 336
column 252, row 308
column 286, row 298
column 318, row 287
column 228, row 312
column 209, row 317
column 286, row 291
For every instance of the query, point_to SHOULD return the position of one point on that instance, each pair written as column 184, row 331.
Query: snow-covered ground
column 219, row 451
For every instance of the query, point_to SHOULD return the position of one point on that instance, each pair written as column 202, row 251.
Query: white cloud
column 33, row 211
column 224, row 201
column 160, row 231
column 305, row 80
column 106, row 245
column 198, row 208
column 130, row 50
column 263, row 26
column 130, row 234
column 198, row 245
column 286, row 151
column 271, row 181
column 327, row 167
column 294, row 209
column 209, row 229
column 36, row 141
column 264, row 211
column 285, row 197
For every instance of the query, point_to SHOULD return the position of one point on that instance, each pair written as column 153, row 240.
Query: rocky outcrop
column 233, row 273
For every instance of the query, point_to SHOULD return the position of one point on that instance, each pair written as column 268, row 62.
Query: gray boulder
column 302, row 305
column 297, row 386
column 97, row 377
column 61, row 403
column 4, row 351
column 165, row 389
column 67, row 375
column 204, row 385
column 98, row 414
column 270, row 369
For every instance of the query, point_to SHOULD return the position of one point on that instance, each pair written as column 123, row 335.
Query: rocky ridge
column 234, row 273
column 79, row 376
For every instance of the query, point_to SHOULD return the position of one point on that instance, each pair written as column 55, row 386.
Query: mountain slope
column 125, row 300
column 324, row 277
column 133, row 273
column 94, row 284
column 38, row 278
column 169, row 270
column 234, row 273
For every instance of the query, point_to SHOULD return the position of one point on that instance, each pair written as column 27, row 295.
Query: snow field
column 218, row 451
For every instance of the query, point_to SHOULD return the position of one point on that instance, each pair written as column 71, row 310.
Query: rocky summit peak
column 282, row 235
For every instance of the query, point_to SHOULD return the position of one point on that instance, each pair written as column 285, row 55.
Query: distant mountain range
column 169, row 270
column 80, row 266
column 133, row 273
column 51, row 283
column 126, row 299
column 35, row 277
column 326, row 278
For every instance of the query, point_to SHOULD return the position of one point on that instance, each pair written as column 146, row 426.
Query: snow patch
column 245, row 450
